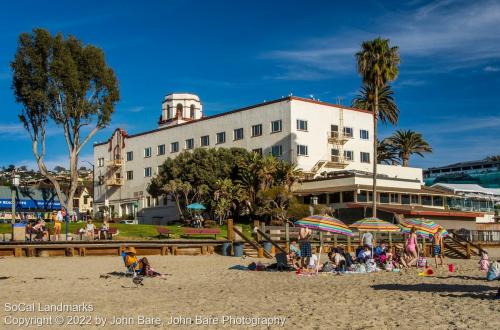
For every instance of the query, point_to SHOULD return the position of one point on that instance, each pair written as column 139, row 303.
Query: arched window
column 191, row 111
column 179, row 110
column 169, row 111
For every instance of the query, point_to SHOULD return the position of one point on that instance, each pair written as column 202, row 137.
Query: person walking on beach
column 367, row 239
column 411, row 247
column 305, row 245
column 437, row 247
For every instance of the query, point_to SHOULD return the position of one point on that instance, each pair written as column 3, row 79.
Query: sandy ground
column 204, row 287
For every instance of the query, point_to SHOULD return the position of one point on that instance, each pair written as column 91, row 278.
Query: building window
column 301, row 125
column 169, row 112
column 100, row 162
column 161, row 149
column 130, row 175
column 189, row 144
column 362, row 196
column 426, row 200
column 348, row 132
column 276, row 126
column 363, row 134
column 238, row 134
column 405, row 199
column 174, row 147
column 414, row 199
column 130, row 156
column 384, row 198
column 277, row 150
column 302, row 150
column 147, row 152
column 334, row 130
column 75, row 202
column 148, row 201
column 148, row 172
column 335, row 155
column 205, row 141
column 178, row 113
column 437, row 201
column 191, row 111
column 365, row 157
column 394, row 199
column 257, row 151
column 349, row 155
column 221, row 137
column 257, row 130
column 85, row 200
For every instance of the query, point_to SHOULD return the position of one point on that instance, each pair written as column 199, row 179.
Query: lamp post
column 15, row 184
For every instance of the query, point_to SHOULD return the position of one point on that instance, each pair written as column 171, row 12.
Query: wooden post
column 230, row 231
column 204, row 250
column 390, row 241
column 263, row 227
column 424, row 250
column 348, row 243
column 335, row 240
column 468, row 250
column 260, row 252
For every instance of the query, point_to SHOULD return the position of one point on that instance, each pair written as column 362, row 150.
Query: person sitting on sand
column 314, row 264
column 484, row 262
column 411, row 247
column 305, row 245
column 364, row 254
column 337, row 259
column 140, row 265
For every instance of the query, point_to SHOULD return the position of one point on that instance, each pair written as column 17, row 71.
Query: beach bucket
column 226, row 249
column 238, row 249
column 267, row 246
column 451, row 268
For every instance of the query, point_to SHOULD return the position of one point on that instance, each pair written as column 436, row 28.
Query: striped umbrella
column 375, row 225
column 324, row 223
column 406, row 230
column 423, row 226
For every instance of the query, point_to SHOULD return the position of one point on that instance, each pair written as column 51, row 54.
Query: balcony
column 114, row 182
column 338, row 138
column 115, row 162
column 337, row 162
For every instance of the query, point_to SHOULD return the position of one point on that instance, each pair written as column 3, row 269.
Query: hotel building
column 332, row 144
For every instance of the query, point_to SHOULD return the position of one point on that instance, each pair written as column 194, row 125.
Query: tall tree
column 66, row 82
column 407, row 143
column 388, row 111
column 386, row 154
column 377, row 63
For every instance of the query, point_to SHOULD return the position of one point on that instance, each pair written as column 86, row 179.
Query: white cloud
column 57, row 160
column 138, row 108
column 449, row 35
column 491, row 69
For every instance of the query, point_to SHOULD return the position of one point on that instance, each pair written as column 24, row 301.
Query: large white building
column 317, row 136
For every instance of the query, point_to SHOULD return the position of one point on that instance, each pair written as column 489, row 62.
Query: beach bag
column 493, row 272
column 389, row 266
column 422, row 262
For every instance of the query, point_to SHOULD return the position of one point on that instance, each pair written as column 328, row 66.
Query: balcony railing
column 114, row 182
column 338, row 137
column 115, row 162
column 337, row 162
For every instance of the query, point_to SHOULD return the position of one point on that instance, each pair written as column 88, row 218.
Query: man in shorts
column 305, row 246
column 437, row 247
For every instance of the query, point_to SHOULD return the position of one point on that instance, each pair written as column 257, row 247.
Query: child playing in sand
column 484, row 263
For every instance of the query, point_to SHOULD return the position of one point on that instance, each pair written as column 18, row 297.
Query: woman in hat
column 140, row 266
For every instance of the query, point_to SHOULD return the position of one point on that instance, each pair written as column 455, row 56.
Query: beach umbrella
column 406, row 230
column 324, row 223
column 375, row 224
column 423, row 226
column 196, row 206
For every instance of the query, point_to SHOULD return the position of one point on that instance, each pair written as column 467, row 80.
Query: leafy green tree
column 275, row 202
column 407, row 143
column 377, row 63
column 64, row 81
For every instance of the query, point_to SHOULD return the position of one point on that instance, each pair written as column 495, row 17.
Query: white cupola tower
column 178, row 108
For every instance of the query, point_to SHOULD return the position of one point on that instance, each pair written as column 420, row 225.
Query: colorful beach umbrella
column 324, row 223
column 406, row 230
column 375, row 225
column 423, row 226
column 196, row 206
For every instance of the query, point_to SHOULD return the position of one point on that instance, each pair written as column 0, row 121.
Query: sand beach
column 203, row 292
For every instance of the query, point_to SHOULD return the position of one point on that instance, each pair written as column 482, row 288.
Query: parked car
column 129, row 222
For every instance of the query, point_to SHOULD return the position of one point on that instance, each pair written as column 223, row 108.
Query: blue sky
column 235, row 53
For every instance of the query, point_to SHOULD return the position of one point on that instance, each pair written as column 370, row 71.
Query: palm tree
column 386, row 154
column 388, row 110
column 288, row 174
column 377, row 64
column 407, row 143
